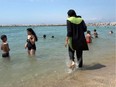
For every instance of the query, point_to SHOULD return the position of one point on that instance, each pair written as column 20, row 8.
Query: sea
column 50, row 63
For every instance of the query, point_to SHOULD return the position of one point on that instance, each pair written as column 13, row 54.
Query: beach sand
column 99, row 74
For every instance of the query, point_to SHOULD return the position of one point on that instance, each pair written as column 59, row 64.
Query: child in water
column 95, row 34
column 31, row 39
column 88, row 37
column 5, row 47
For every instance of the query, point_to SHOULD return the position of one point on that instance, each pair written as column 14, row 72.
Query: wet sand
column 99, row 74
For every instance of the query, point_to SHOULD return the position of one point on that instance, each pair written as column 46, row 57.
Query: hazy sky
column 55, row 11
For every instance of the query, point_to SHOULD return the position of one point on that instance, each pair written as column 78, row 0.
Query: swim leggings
column 79, row 54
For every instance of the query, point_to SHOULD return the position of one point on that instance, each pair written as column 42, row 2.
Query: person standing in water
column 95, row 33
column 75, row 38
column 31, row 39
column 5, row 47
column 88, row 37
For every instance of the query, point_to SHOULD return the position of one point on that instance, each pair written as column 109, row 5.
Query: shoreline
column 37, row 25
column 100, row 74
column 32, row 25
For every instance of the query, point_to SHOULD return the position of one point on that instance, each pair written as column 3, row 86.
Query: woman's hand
column 66, row 42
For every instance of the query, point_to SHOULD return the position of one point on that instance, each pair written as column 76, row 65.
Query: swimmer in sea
column 44, row 36
column 111, row 32
column 52, row 37
column 5, row 47
column 95, row 33
column 88, row 37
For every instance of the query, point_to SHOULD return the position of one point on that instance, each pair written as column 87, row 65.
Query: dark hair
column 33, row 33
column 94, row 29
column 71, row 13
column 88, row 32
column 44, row 36
column 52, row 37
column 3, row 36
column 78, row 16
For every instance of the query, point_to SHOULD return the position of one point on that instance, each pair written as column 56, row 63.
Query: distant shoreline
column 37, row 25
column 102, row 24
column 32, row 25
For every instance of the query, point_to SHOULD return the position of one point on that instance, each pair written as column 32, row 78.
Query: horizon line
column 94, row 23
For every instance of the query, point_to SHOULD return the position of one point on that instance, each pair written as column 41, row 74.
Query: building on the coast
column 113, row 23
column 102, row 24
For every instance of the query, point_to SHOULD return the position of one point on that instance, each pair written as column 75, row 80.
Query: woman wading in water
column 75, row 38
column 31, row 39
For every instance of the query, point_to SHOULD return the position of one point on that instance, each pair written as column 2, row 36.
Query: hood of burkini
column 75, row 20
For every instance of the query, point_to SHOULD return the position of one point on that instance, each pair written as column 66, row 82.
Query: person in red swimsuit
column 88, row 37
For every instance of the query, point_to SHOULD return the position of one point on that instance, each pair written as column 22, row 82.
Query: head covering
column 71, row 13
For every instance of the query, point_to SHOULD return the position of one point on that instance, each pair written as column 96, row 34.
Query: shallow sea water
column 50, row 63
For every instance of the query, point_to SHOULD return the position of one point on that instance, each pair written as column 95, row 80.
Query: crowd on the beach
column 76, row 39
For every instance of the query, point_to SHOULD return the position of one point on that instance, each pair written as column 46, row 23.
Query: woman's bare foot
column 72, row 65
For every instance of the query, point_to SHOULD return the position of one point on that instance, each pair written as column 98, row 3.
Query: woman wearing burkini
column 75, row 38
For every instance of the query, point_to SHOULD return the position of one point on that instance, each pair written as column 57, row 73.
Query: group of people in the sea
column 44, row 36
column 30, row 44
column 89, row 36
column 76, row 40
